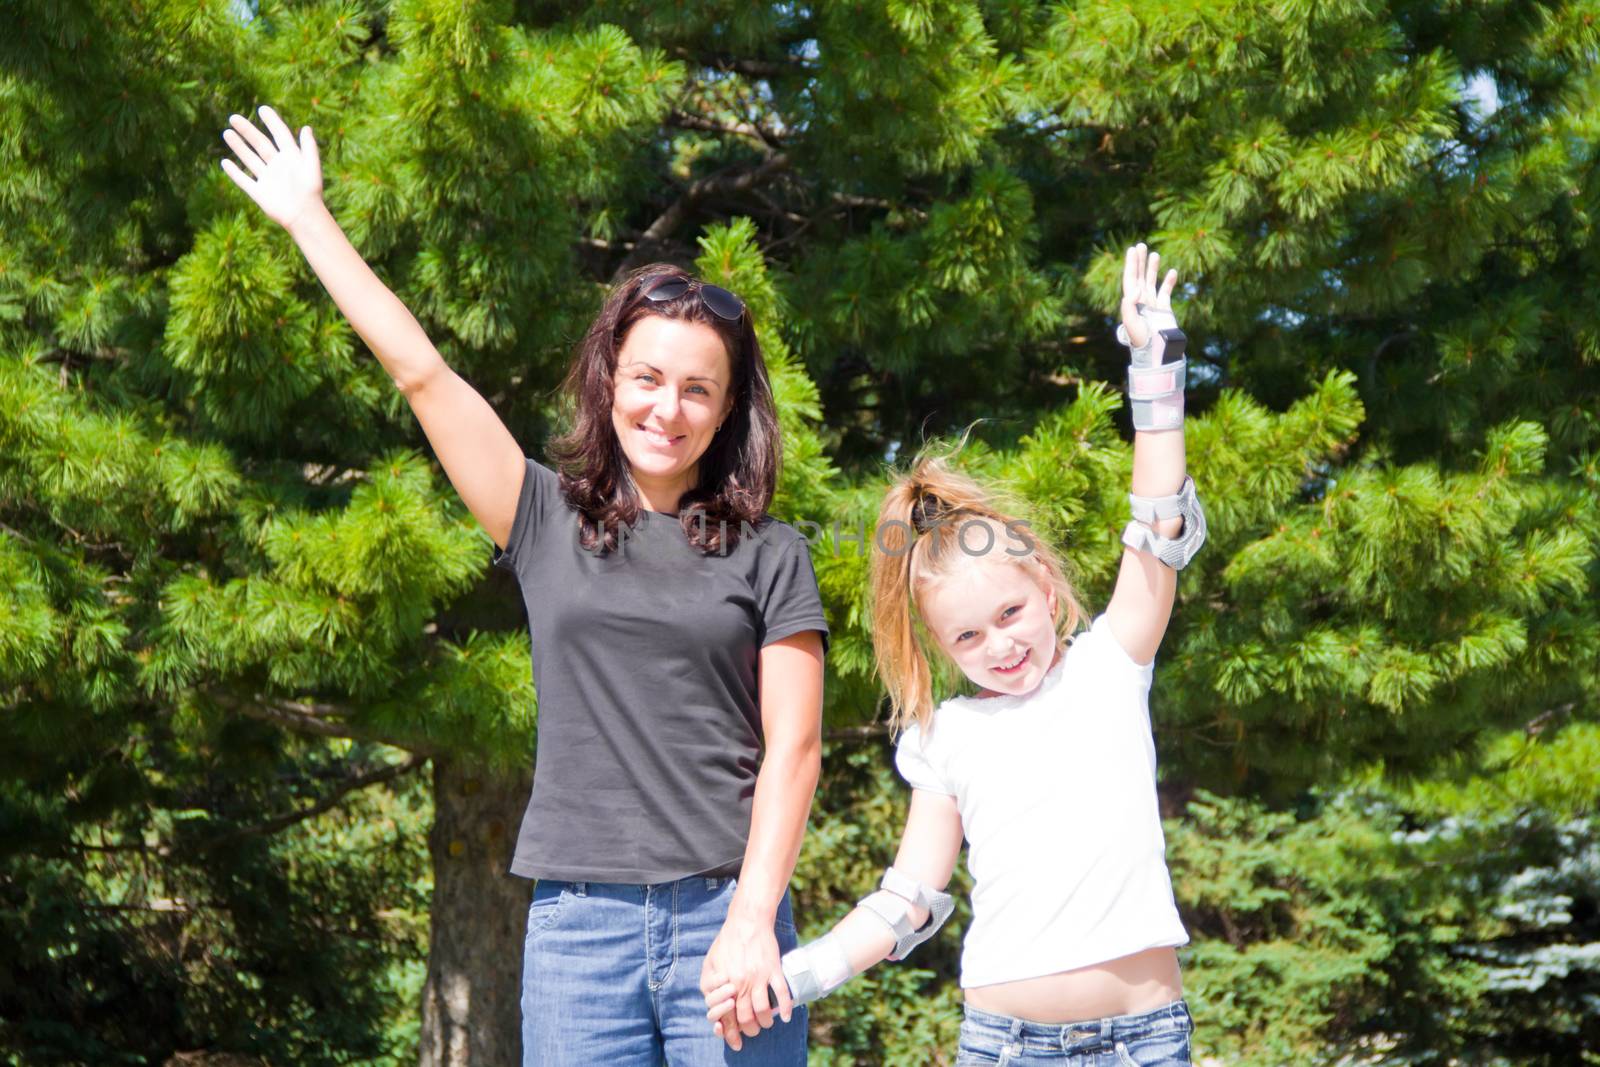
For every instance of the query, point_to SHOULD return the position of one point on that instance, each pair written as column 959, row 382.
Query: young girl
column 1049, row 770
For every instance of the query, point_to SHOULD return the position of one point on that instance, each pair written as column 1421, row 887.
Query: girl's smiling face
column 669, row 393
column 996, row 619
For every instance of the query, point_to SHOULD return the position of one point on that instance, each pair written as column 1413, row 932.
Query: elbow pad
column 1175, row 552
column 893, row 904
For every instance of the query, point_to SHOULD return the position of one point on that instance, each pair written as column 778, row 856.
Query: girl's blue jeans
column 1158, row 1038
column 611, row 976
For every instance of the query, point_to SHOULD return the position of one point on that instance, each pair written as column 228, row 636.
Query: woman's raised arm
column 478, row 453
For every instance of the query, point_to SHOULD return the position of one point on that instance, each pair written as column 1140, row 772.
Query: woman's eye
column 699, row 387
column 647, row 378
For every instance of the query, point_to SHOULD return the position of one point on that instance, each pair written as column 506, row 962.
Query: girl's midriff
column 1126, row 986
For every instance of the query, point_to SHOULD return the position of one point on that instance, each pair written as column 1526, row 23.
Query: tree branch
column 760, row 134
column 18, row 534
column 386, row 773
column 1537, row 724
column 754, row 68
column 733, row 180
column 322, row 720
column 849, row 200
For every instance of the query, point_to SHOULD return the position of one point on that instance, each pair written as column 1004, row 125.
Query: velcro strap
column 1175, row 552
column 1153, row 383
column 893, row 909
column 803, row 984
column 906, row 886
column 1155, row 508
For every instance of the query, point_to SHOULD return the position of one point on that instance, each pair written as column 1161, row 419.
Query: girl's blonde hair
column 918, row 542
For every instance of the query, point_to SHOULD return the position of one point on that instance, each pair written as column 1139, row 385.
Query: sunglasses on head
column 717, row 300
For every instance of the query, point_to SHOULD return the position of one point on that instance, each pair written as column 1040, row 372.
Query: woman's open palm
column 287, row 176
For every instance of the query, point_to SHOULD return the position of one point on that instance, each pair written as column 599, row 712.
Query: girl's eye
column 1006, row 614
column 965, row 634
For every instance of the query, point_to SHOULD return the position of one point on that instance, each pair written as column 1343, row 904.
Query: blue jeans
column 611, row 975
column 1158, row 1038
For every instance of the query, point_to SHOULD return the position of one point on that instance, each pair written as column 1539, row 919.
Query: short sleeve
column 911, row 760
column 1108, row 651
column 540, row 485
column 790, row 600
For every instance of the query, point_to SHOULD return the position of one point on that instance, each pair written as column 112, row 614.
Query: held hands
column 288, row 176
column 742, row 980
column 1141, row 271
column 721, row 1002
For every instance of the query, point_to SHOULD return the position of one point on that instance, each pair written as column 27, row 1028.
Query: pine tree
column 239, row 595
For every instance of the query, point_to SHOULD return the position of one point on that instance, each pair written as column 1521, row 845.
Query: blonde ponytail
column 917, row 542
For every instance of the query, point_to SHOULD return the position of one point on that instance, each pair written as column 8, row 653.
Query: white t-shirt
column 1057, row 793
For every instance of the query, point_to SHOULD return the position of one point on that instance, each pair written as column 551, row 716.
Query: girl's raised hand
column 1142, row 284
column 287, row 176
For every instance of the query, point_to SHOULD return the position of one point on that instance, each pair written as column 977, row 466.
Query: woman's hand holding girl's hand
column 1142, row 284
column 745, row 956
column 288, row 176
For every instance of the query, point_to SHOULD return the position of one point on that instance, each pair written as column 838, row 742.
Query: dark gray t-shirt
column 645, row 661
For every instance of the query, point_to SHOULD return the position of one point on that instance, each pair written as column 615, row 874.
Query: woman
column 677, row 631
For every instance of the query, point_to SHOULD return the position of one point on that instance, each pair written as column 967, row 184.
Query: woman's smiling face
column 995, row 618
column 670, row 391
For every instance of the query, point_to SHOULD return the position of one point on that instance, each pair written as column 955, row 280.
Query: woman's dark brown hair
column 739, row 469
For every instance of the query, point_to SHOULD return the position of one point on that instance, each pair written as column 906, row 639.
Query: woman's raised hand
column 287, row 176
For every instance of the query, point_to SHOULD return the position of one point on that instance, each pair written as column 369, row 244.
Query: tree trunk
column 470, row 1005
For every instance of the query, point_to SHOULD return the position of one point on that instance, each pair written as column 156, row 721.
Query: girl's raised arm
column 1141, row 604
column 478, row 453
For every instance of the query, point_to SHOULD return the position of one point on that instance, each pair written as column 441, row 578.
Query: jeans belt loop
column 580, row 889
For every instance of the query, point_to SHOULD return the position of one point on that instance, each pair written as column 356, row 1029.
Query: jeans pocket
column 545, row 910
column 974, row 1051
column 1169, row 1048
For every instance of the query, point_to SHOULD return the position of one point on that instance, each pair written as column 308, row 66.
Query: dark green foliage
column 234, row 590
column 300, row 946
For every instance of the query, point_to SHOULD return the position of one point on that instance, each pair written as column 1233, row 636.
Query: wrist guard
column 1155, row 393
column 816, row 969
column 1156, row 372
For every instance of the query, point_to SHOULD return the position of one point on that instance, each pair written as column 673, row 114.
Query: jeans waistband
column 1079, row 1036
column 711, row 883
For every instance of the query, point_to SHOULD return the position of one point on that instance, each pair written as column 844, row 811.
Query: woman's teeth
column 661, row 438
